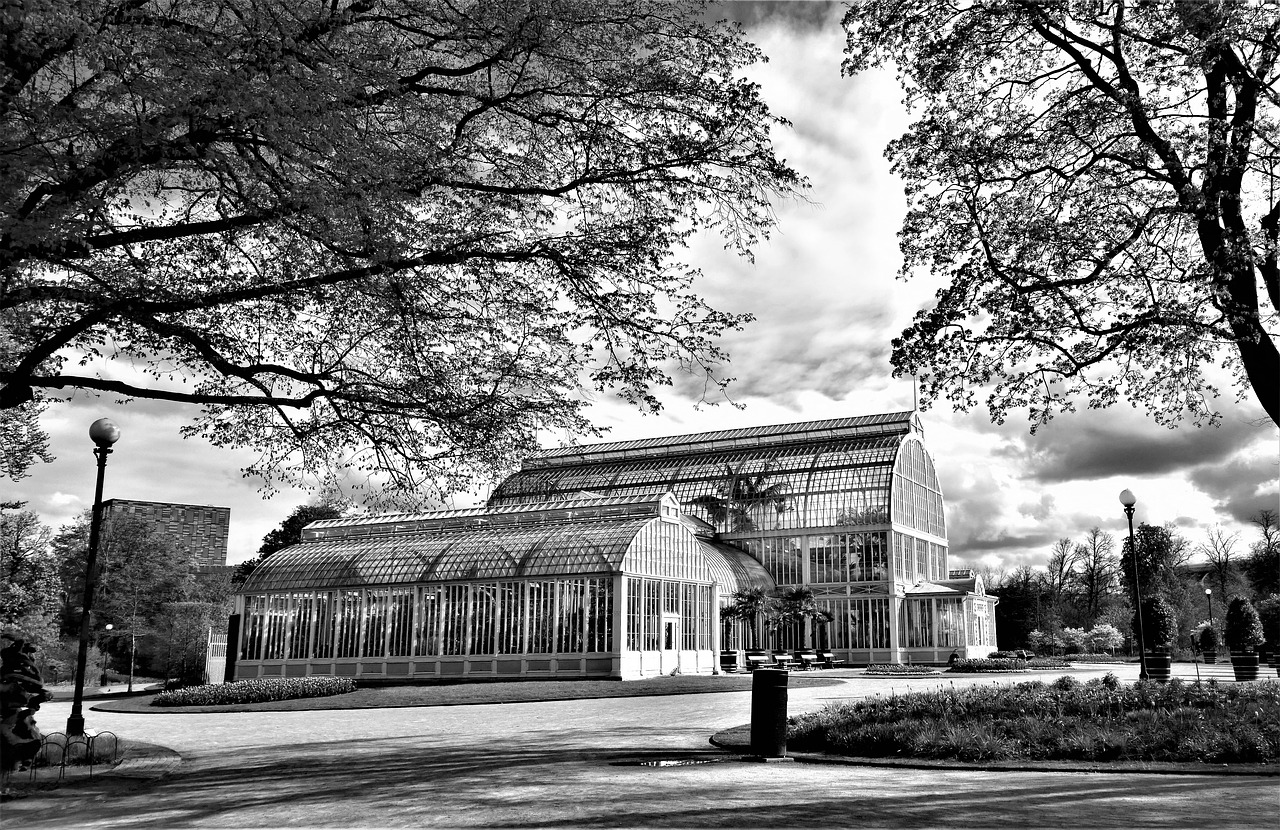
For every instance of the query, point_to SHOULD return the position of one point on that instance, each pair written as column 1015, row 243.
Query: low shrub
column 1001, row 655
column 977, row 664
column 1047, row 663
column 1093, row 658
column 256, row 691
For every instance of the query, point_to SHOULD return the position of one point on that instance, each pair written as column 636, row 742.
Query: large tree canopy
column 389, row 237
column 1096, row 181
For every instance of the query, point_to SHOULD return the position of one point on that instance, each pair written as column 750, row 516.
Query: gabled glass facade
column 613, row 560
column 850, row 508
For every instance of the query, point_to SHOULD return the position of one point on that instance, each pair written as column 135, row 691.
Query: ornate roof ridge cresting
column 559, row 510
column 801, row 432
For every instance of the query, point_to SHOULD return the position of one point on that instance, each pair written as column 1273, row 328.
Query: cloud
column 791, row 15
column 1242, row 486
column 1082, row 447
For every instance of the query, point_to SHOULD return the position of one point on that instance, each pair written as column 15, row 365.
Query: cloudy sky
column 828, row 303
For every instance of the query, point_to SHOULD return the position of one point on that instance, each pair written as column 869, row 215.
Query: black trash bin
column 769, row 713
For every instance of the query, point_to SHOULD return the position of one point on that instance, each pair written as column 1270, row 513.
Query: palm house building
column 616, row 560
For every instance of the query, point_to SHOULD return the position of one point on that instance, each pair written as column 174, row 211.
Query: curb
column 145, row 762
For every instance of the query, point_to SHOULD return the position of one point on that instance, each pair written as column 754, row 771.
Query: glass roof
column 746, row 438
column 572, row 506
column 475, row 553
column 820, row 477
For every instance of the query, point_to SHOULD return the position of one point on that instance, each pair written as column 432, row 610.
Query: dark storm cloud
column 1080, row 448
column 1241, row 486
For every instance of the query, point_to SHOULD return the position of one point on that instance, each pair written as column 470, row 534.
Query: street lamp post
column 1129, row 500
column 104, row 433
column 1208, row 593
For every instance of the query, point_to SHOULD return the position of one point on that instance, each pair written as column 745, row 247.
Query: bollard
column 769, row 713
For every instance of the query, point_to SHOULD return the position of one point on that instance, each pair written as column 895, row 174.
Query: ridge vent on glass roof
column 579, row 509
column 860, row 426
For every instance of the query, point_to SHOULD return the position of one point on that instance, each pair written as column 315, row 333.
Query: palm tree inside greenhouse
column 739, row 495
column 749, row 605
column 795, row 606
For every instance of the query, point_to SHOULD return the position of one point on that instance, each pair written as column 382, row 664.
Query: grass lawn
column 525, row 691
column 1101, row 720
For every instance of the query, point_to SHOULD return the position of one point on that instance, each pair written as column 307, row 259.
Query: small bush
column 1244, row 627
column 256, row 691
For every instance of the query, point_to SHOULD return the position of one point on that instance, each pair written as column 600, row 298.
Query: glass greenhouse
column 615, row 560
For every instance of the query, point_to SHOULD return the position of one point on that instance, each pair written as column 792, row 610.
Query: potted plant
column 1208, row 642
column 1269, row 612
column 1243, row 635
column 1159, row 625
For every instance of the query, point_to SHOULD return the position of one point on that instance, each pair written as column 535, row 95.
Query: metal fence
column 59, row 751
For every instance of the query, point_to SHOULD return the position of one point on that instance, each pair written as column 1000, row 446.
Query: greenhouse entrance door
column 670, row 642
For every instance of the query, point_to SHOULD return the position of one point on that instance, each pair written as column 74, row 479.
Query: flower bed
column 894, row 670
column 973, row 665
column 1101, row 720
column 1047, row 663
column 256, row 691
column 1093, row 658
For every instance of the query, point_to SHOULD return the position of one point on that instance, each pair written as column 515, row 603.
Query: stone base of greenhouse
column 616, row 561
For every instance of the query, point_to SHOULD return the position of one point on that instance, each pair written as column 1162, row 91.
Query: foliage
column 1262, row 566
column 22, row 441
column 795, row 606
column 255, row 691
column 1207, row 639
column 389, row 241
column 1096, row 573
column 140, row 568
column 1104, row 637
column 1100, row 720
column 1161, row 550
column 1073, row 639
column 1269, row 615
column 1243, row 629
column 1159, row 623
column 750, row 605
column 288, row 533
column 1219, row 552
column 1096, row 184
column 180, row 639
column 29, row 586
column 741, row 498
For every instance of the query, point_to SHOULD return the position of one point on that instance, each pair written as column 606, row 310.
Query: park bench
column 783, row 661
column 829, row 660
column 807, row 659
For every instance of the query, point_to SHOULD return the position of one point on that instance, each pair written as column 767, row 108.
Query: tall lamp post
column 103, row 433
column 1128, row 499
column 1208, row 594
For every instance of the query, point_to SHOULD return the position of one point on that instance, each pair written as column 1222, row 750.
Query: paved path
column 572, row 763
